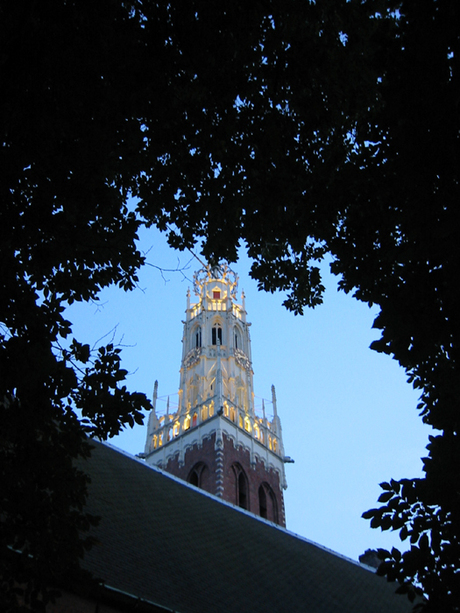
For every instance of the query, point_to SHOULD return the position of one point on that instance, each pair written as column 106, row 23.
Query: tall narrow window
column 268, row 507
column 217, row 334
column 262, row 502
column 198, row 337
column 197, row 476
column 194, row 479
column 242, row 491
column 241, row 487
column 237, row 338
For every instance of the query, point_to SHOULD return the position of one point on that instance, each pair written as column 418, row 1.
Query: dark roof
column 171, row 544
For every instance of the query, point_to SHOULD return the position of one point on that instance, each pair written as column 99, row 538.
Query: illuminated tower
column 215, row 440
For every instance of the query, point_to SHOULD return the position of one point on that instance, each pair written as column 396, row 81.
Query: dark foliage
column 65, row 232
column 295, row 128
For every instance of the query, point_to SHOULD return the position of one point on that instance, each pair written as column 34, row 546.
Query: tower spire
column 215, row 439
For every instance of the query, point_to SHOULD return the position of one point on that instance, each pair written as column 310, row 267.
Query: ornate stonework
column 216, row 403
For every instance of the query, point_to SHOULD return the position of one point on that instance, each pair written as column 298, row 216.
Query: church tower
column 214, row 439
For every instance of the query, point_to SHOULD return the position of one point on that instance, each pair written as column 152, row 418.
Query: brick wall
column 256, row 475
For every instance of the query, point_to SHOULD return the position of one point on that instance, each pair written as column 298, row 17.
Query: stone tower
column 215, row 440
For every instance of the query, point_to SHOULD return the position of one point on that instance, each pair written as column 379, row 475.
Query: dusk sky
column 349, row 418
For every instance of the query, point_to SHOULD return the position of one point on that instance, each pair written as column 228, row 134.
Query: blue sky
column 349, row 418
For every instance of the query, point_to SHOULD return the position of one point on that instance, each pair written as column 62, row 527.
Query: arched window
column 237, row 338
column 194, row 420
column 262, row 502
column 268, row 507
column 198, row 336
column 194, row 480
column 195, row 476
column 216, row 334
column 242, row 491
column 241, row 487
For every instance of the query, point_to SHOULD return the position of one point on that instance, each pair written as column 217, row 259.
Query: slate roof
column 171, row 544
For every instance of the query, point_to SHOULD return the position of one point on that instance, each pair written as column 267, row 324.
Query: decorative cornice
column 192, row 357
column 221, row 272
column 242, row 359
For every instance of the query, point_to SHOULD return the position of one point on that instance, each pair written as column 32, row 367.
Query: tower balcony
column 174, row 424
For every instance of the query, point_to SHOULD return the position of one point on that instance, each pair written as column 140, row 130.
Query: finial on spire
column 155, row 395
column 275, row 411
column 216, row 270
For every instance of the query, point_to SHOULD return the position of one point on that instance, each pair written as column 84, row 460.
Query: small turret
column 153, row 422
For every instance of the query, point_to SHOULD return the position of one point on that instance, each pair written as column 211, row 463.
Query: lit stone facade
column 215, row 440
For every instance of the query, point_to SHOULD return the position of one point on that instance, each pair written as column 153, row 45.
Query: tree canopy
column 294, row 128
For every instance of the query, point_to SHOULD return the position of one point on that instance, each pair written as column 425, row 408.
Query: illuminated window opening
column 155, row 441
column 240, row 421
column 194, row 420
column 204, row 413
column 187, row 423
column 275, row 445
column 232, row 414
column 247, row 425
column 211, row 409
column 236, row 312
column 270, row 445
column 176, row 429
column 160, row 440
